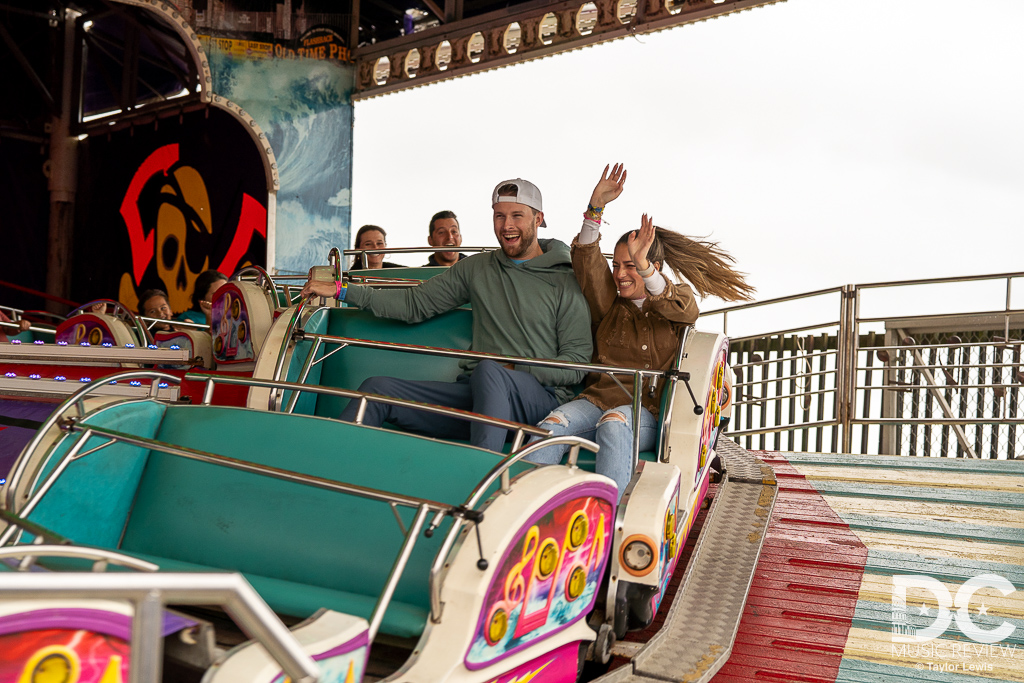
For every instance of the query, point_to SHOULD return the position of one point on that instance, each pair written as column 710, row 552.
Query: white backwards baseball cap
column 526, row 193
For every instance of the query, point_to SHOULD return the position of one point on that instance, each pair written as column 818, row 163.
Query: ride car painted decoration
column 232, row 342
column 548, row 578
column 717, row 399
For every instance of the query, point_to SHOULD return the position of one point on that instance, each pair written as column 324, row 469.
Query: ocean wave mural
column 304, row 107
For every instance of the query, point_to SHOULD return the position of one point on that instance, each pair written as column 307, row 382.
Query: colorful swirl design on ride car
column 65, row 655
column 84, row 328
column 232, row 342
column 673, row 536
column 718, row 396
column 549, row 576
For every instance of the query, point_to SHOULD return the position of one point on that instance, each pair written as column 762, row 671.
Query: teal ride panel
column 90, row 501
column 349, row 367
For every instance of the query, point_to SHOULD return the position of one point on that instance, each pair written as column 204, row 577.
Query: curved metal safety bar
column 128, row 315
column 334, row 259
column 637, row 374
column 263, row 279
column 32, row 328
column 477, row 355
column 300, row 309
column 212, row 380
column 149, row 592
column 666, row 427
column 173, row 323
column 74, row 400
column 415, row 250
column 264, row 470
column 501, row 470
column 101, row 558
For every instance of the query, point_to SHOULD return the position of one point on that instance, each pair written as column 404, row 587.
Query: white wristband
column 646, row 272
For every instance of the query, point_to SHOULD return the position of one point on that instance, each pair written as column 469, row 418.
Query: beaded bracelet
column 593, row 213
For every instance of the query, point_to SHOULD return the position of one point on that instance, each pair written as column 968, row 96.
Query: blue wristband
column 341, row 291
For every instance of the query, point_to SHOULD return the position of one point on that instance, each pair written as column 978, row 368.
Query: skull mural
column 182, row 234
column 173, row 235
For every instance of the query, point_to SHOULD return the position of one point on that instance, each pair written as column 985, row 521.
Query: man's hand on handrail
column 320, row 288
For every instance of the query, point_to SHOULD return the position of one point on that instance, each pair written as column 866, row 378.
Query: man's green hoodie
column 535, row 309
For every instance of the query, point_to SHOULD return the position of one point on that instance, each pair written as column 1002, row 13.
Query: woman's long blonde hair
column 703, row 264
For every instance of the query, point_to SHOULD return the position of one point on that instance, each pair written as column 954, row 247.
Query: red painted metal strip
column 804, row 592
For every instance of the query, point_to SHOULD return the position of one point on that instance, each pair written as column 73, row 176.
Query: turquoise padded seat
column 350, row 366
column 301, row 547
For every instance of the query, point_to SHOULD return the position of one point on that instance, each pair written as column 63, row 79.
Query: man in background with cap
column 526, row 302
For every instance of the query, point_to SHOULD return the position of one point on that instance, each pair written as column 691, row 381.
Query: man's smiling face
column 515, row 226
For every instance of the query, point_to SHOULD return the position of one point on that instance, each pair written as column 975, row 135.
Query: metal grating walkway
column 701, row 625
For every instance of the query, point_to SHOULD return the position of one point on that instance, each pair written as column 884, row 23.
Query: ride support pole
column 63, row 177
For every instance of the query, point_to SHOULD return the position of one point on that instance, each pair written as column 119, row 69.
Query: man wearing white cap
column 526, row 302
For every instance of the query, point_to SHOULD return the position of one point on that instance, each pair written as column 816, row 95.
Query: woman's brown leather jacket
column 628, row 336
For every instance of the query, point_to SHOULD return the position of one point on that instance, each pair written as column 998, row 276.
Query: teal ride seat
column 351, row 365
column 301, row 547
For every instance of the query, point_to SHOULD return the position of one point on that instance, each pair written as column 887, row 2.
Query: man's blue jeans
column 612, row 430
column 491, row 389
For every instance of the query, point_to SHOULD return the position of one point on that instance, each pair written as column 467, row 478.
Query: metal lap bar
column 610, row 370
column 149, row 592
column 35, row 529
column 306, row 367
column 666, row 426
column 70, row 456
column 499, row 471
column 74, row 400
column 476, row 355
column 285, row 343
column 265, row 470
column 173, row 323
column 397, row 569
column 349, row 393
column 100, row 557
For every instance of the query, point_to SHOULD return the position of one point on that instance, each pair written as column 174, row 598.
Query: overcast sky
column 821, row 142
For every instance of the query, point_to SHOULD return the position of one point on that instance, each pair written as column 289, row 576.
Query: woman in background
column 371, row 237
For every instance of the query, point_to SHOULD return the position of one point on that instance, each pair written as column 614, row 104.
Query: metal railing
column 903, row 383
column 149, row 593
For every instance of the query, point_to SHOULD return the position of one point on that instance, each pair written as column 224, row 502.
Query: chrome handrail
column 100, row 557
column 479, row 355
column 149, row 592
column 212, row 380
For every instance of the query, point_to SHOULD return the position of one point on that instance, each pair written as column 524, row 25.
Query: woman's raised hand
column 609, row 187
column 639, row 243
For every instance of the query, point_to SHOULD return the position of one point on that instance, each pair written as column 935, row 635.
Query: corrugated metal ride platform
column 821, row 604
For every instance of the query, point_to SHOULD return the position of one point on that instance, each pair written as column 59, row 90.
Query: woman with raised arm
column 638, row 315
